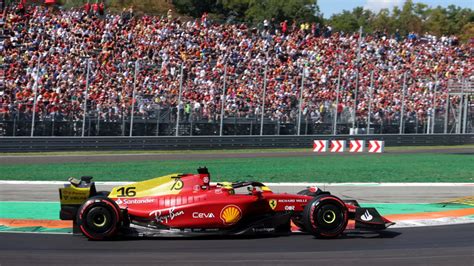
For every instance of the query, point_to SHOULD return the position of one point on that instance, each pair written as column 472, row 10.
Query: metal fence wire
column 219, row 96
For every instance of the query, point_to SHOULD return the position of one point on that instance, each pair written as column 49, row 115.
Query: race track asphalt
column 441, row 245
column 438, row 245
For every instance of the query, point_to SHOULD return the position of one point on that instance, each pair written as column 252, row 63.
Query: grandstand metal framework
column 175, row 121
column 459, row 107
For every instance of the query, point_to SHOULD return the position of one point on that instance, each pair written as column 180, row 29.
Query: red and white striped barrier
column 338, row 145
column 320, row 145
column 357, row 146
column 376, row 146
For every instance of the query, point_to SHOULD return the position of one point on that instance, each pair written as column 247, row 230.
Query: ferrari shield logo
column 272, row 203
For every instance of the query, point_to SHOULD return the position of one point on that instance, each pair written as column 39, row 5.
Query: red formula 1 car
column 188, row 205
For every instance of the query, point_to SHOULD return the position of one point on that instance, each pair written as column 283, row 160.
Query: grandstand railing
column 162, row 122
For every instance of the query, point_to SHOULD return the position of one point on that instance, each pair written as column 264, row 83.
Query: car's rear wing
column 73, row 194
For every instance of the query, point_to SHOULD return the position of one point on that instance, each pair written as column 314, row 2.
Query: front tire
column 99, row 218
column 325, row 216
column 298, row 219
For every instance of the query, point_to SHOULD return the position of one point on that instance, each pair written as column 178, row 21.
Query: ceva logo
column 202, row 215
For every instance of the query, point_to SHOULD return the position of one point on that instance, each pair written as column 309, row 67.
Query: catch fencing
column 148, row 98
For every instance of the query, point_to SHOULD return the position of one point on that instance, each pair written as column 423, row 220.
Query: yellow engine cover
column 165, row 185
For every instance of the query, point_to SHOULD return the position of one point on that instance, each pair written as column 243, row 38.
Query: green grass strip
column 424, row 167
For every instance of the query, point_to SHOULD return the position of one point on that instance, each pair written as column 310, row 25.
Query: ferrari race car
column 189, row 205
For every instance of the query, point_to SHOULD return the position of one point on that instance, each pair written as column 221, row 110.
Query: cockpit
column 244, row 187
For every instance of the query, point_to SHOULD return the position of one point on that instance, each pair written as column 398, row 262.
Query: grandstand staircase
column 460, row 107
column 167, row 125
column 170, row 130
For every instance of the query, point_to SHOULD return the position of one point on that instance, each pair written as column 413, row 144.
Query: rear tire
column 99, row 218
column 298, row 219
column 325, row 216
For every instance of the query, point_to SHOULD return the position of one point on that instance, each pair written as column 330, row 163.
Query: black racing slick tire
column 325, row 216
column 99, row 218
column 298, row 219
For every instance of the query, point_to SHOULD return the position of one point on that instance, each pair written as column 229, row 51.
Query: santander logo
column 366, row 216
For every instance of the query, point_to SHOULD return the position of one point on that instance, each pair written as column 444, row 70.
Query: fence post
column 300, row 102
column 133, row 97
column 371, row 90
column 179, row 100
column 446, row 114
column 427, row 125
column 354, row 115
column 35, row 88
column 356, row 95
column 158, row 122
column 461, row 101
column 402, row 111
column 123, row 123
column 86, row 97
column 15, row 115
column 433, row 116
column 223, row 100
column 191, row 121
column 263, row 98
column 98, row 122
column 466, row 99
column 334, row 129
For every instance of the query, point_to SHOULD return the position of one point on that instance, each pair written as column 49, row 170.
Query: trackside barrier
column 338, row 145
column 320, row 145
column 376, row 146
column 356, row 145
column 42, row 144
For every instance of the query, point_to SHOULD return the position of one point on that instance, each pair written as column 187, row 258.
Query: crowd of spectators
column 50, row 50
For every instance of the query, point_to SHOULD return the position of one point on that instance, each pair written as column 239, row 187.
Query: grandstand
column 72, row 73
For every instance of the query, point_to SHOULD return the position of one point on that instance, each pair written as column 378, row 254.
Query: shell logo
column 231, row 214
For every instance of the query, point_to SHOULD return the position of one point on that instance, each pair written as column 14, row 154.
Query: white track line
column 433, row 222
column 87, row 155
column 49, row 233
